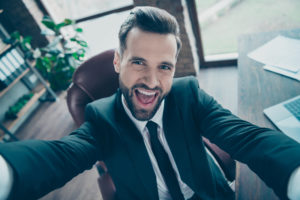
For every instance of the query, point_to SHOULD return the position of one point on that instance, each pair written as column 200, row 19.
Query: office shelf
column 9, row 124
column 25, row 111
column 8, row 127
column 14, row 82
column 3, row 50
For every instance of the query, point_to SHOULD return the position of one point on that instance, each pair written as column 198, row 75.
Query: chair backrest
column 95, row 79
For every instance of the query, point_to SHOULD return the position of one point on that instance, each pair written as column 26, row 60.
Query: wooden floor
column 53, row 121
column 221, row 83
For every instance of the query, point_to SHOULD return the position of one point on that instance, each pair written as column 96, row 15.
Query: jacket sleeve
column 272, row 155
column 42, row 166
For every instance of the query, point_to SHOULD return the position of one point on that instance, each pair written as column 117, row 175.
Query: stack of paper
column 280, row 55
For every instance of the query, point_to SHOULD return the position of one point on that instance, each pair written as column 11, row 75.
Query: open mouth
column 146, row 97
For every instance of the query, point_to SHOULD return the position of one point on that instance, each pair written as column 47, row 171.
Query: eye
column 165, row 67
column 137, row 62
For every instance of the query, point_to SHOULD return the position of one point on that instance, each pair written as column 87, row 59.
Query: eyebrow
column 144, row 60
column 168, row 63
column 137, row 58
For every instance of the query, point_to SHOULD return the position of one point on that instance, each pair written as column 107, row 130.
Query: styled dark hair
column 149, row 19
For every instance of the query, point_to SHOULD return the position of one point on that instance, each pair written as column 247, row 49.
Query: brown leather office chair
column 96, row 79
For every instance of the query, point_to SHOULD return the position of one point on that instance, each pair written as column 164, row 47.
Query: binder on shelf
column 15, row 65
column 6, row 72
column 8, row 66
column 19, row 58
column 4, row 78
column 14, row 62
column 4, row 82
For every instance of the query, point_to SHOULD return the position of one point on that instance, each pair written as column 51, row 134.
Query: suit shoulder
column 103, row 103
column 184, row 84
column 102, row 107
column 187, row 90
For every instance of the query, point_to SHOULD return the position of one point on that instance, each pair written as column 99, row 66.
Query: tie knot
column 152, row 127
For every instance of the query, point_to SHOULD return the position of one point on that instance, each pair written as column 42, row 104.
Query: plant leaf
column 79, row 30
column 82, row 43
column 75, row 55
column 49, row 23
column 27, row 39
column 16, row 35
column 66, row 22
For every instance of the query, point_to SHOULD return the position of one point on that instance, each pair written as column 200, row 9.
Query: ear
column 117, row 61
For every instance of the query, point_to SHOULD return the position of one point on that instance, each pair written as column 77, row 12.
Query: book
column 14, row 62
column 4, row 82
column 19, row 58
column 7, row 73
column 9, row 66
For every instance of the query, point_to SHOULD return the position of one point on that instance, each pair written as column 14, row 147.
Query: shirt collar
column 157, row 118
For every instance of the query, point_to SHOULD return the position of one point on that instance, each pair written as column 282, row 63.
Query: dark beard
column 142, row 115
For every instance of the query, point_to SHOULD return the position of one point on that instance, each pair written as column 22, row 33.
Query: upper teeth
column 146, row 93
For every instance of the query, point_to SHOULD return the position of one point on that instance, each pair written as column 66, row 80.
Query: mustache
column 141, row 85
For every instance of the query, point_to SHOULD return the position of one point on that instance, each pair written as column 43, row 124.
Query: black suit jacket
column 109, row 135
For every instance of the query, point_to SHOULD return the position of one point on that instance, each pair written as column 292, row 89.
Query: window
column 100, row 20
column 223, row 21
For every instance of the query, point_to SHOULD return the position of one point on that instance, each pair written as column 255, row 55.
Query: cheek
column 127, row 77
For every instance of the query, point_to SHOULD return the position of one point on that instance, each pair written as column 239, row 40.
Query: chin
column 143, row 115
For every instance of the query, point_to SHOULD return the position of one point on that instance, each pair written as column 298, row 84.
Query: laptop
column 286, row 117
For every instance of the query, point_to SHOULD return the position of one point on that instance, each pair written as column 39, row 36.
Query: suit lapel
column 136, row 149
column 175, row 135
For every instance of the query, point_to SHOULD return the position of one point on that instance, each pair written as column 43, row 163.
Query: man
column 149, row 132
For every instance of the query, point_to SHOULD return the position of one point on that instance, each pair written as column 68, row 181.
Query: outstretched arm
column 42, row 166
column 270, row 154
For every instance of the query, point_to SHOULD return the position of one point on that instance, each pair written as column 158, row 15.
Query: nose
column 152, row 79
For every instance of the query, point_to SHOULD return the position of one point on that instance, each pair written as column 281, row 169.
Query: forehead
column 148, row 44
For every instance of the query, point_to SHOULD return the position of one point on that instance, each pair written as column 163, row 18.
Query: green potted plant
column 58, row 60
column 12, row 112
column 24, row 43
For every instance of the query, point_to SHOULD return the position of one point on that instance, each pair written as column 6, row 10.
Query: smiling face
column 146, row 70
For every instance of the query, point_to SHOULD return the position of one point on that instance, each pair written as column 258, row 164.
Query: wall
column 16, row 16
